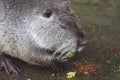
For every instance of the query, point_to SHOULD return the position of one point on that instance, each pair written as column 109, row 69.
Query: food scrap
column 86, row 67
column 112, row 49
column 109, row 62
column 118, row 69
column 70, row 75
column 70, row 54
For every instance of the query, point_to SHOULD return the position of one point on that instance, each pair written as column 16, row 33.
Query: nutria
column 38, row 32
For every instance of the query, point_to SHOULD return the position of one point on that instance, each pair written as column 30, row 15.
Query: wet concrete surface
column 101, row 21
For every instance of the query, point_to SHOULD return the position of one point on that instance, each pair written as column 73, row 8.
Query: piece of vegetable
column 70, row 75
column 86, row 67
column 70, row 54
column 109, row 62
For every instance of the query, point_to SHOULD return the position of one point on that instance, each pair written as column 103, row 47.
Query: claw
column 60, row 62
column 62, row 59
column 9, row 67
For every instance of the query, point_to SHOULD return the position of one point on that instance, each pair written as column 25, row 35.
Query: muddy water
column 101, row 21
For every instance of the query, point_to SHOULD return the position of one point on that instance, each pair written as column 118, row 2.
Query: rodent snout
column 82, row 44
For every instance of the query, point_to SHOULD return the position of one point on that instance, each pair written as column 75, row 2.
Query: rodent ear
column 67, row 5
column 47, row 13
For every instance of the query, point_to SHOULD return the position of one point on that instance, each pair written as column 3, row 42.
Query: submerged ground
column 101, row 21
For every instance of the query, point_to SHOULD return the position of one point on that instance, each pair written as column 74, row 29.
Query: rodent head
column 54, row 26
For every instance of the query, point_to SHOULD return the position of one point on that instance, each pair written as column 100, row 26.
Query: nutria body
column 36, row 31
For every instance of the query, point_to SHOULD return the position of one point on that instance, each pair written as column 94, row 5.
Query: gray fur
column 26, row 34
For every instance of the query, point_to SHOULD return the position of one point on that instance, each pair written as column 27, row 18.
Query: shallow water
column 101, row 21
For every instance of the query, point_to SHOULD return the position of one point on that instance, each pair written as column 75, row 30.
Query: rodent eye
column 47, row 13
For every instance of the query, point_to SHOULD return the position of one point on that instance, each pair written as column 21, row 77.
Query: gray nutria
column 38, row 32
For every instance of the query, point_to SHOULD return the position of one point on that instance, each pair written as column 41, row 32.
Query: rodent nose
column 82, row 44
column 80, row 48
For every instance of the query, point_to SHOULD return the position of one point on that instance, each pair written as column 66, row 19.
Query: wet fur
column 26, row 34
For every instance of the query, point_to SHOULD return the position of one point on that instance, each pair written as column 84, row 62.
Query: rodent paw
column 9, row 67
column 62, row 59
